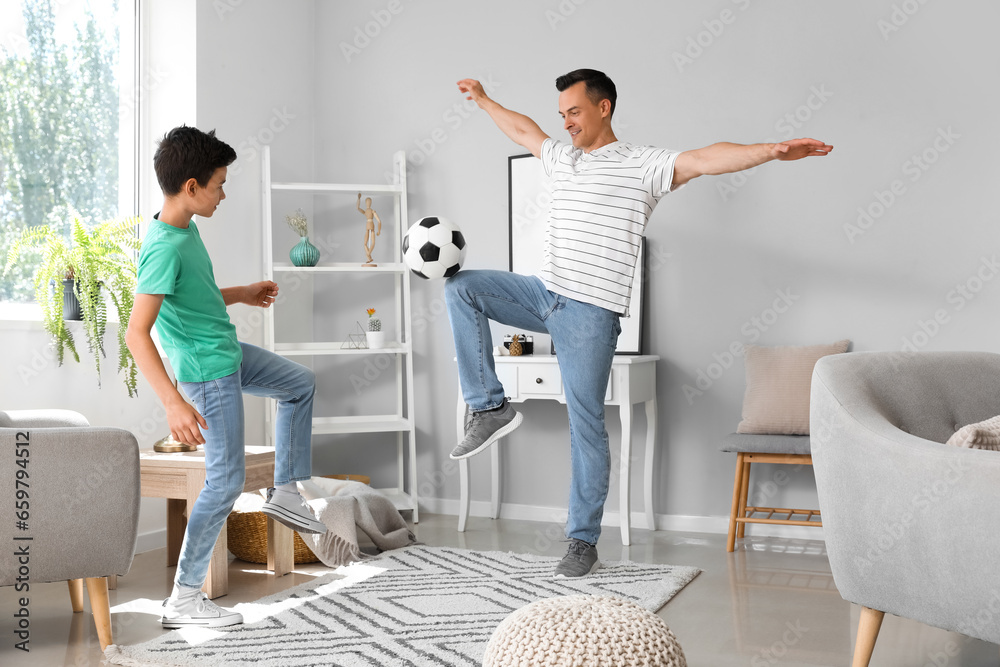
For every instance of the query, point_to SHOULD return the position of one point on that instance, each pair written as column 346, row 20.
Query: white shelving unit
column 401, row 423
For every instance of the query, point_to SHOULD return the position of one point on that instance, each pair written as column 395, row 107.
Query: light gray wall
column 727, row 246
column 256, row 69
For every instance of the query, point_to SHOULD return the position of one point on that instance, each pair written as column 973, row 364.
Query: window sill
column 20, row 316
column 26, row 317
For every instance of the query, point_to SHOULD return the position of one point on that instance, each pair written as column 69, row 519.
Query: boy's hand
column 261, row 294
column 184, row 420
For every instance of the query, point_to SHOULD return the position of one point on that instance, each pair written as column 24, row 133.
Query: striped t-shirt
column 601, row 202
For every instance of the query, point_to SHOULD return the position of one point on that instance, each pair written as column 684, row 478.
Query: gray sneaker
column 482, row 429
column 579, row 561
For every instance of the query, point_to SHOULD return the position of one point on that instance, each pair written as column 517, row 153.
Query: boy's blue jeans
column 220, row 402
column 585, row 337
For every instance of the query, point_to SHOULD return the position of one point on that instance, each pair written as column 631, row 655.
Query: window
column 67, row 121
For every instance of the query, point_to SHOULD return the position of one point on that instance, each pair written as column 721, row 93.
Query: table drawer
column 537, row 379
column 529, row 380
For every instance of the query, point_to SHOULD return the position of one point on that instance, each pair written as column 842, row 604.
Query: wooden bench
column 750, row 449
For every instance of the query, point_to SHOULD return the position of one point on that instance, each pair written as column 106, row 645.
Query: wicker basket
column 246, row 533
column 247, row 536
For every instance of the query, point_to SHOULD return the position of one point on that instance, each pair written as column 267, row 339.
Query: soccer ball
column 434, row 248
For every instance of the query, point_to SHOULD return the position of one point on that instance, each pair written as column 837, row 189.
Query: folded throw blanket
column 347, row 507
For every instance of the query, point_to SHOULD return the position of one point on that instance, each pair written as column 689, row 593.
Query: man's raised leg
column 474, row 298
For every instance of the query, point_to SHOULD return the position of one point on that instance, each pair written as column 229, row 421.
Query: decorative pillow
column 778, row 379
column 984, row 435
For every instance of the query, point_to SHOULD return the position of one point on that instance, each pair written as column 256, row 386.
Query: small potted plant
column 376, row 337
column 92, row 262
column 303, row 253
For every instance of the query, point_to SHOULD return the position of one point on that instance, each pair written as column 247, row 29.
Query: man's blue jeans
column 220, row 402
column 584, row 336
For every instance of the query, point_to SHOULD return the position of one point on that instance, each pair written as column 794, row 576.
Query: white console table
column 633, row 380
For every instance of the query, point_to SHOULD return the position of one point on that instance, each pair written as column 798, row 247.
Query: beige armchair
column 72, row 507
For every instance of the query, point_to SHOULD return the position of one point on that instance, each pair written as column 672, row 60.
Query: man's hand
column 796, row 149
column 474, row 89
column 727, row 158
column 518, row 127
column 260, row 294
column 184, row 420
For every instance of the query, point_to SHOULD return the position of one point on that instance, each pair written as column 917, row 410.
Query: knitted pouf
column 583, row 630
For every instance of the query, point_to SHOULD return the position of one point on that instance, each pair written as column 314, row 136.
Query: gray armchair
column 72, row 505
column 910, row 523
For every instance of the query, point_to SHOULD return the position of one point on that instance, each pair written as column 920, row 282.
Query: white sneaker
column 196, row 610
column 291, row 510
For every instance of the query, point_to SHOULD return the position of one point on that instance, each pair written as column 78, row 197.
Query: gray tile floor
column 773, row 602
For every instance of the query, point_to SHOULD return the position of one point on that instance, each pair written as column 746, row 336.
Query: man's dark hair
column 598, row 85
column 187, row 152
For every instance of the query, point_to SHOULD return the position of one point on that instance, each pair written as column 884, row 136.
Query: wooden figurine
column 370, row 217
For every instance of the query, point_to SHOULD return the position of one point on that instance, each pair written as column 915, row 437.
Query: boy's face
column 204, row 200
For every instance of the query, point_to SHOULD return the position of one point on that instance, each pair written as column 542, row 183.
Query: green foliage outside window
column 59, row 106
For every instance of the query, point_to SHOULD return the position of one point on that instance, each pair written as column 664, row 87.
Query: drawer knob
column 538, row 380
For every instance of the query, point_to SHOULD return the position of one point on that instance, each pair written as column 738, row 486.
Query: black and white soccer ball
column 434, row 248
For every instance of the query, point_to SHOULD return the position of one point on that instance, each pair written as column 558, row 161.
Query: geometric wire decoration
column 357, row 340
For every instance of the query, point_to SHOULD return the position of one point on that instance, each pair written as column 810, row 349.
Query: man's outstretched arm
column 726, row 158
column 521, row 129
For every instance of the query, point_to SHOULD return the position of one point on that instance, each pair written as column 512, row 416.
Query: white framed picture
column 529, row 199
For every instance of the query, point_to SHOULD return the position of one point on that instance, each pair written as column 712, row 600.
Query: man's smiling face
column 582, row 118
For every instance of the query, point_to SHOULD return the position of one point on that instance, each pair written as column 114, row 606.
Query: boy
column 176, row 290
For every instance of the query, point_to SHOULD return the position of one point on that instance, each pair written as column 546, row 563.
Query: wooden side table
column 633, row 381
column 179, row 477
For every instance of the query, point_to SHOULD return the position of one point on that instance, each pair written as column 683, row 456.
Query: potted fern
column 97, row 260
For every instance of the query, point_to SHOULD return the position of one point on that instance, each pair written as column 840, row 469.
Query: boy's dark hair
column 187, row 152
column 599, row 86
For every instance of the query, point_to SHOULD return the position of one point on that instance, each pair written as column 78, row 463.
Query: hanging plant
column 99, row 260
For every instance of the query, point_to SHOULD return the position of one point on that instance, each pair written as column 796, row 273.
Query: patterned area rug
column 416, row 606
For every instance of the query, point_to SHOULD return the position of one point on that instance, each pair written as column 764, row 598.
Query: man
column 603, row 193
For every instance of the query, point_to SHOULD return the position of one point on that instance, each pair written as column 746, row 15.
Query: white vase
column 376, row 340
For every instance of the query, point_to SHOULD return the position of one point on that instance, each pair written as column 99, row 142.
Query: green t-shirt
column 193, row 324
